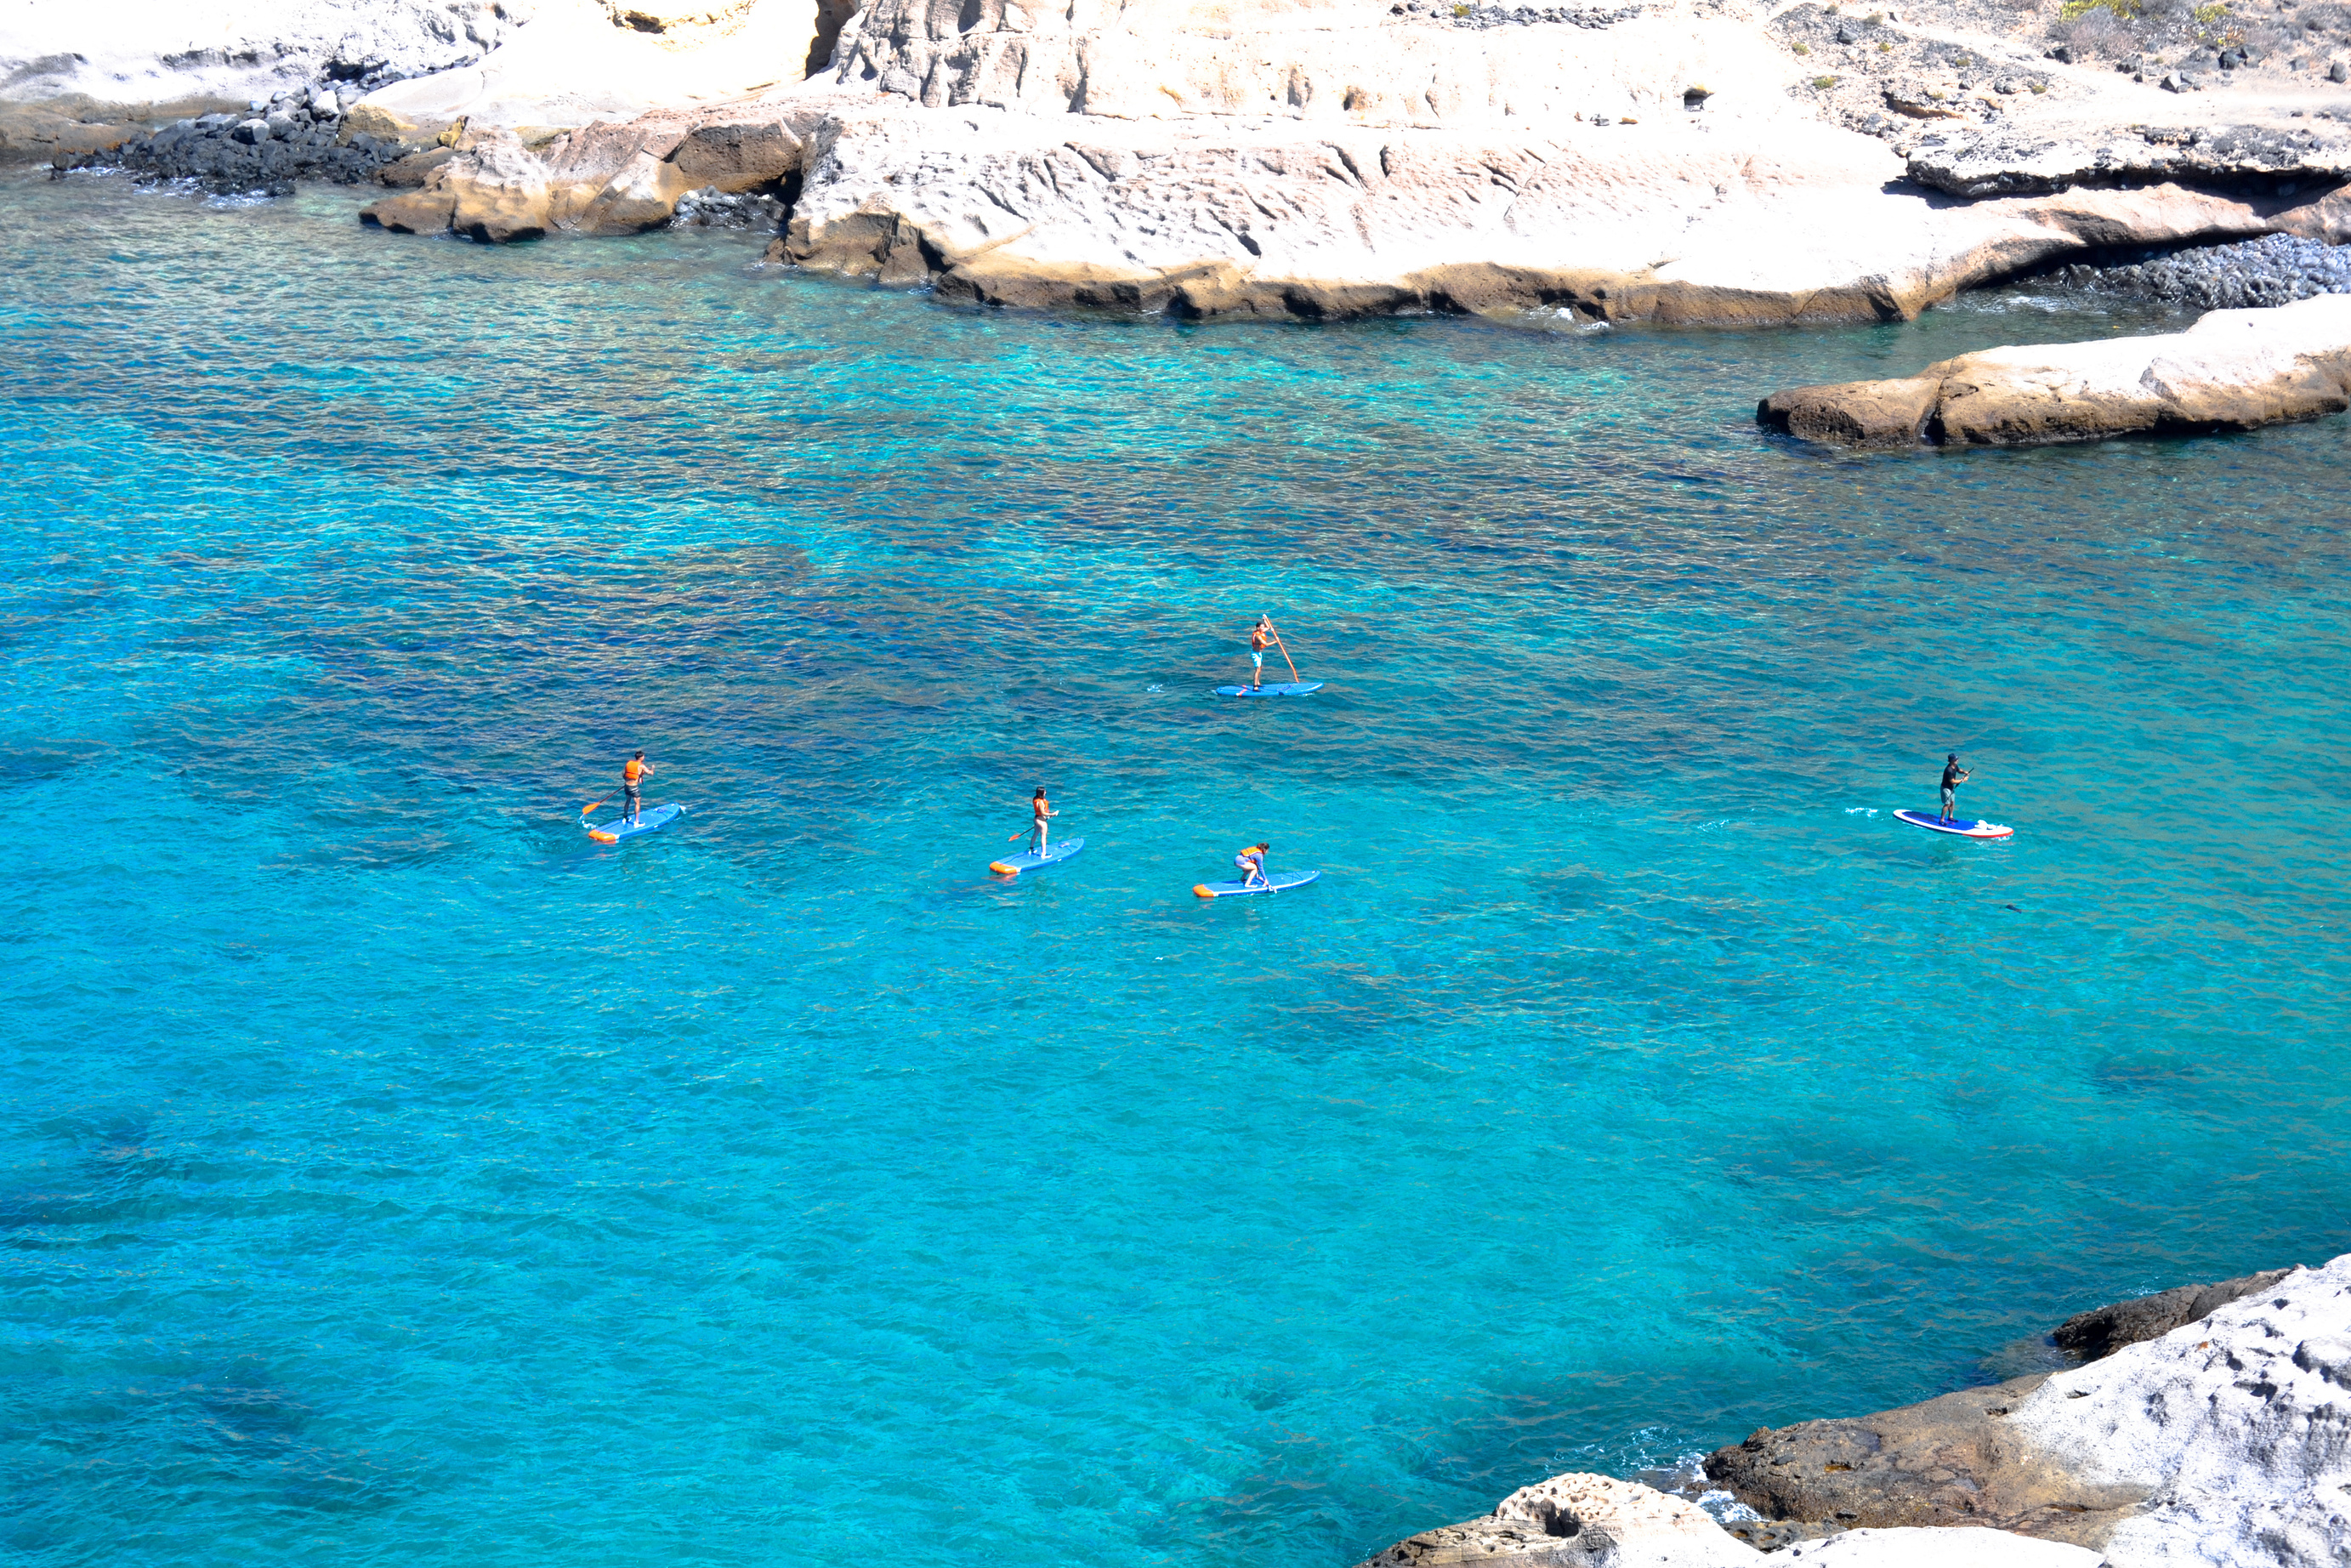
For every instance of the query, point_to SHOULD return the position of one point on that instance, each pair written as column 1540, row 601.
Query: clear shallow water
column 389, row 1175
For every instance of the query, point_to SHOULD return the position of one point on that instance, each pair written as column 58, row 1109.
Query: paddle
column 1285, row 655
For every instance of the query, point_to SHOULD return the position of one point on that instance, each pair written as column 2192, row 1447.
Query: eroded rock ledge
column 2210, row 1424
column 2233, row 371
column 1220, row 217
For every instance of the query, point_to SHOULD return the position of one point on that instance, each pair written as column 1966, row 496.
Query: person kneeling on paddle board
column 1251, row 862
column 1042, row 808
column 1259, row 640
column 633, row 769
column 1953, row 777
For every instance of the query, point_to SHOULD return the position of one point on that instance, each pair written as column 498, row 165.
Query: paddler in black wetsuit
column 1953, row 777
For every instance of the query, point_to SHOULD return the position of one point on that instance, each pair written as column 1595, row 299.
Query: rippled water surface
column 389, row 1175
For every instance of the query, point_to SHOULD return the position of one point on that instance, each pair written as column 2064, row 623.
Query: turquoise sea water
column 391, row 1175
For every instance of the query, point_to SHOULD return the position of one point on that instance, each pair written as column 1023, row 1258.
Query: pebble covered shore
column 297, row 133
column 2276, row 269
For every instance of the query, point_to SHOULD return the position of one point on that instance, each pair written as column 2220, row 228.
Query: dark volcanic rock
column 2105, row 1330
column 299, row 136
column 1996, row 162
column 2271, row 270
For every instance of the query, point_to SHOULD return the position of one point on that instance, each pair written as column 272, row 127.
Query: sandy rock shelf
column 1681, row 222
column 2234, row 370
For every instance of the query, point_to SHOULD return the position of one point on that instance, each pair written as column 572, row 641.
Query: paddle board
column 1273, row 883
column 1960, row 825
column 1271, row 689
column 1056, row 852
column 650, row 820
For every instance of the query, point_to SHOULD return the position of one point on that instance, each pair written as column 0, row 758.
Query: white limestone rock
column 1650, row 1529
column 580, row 61
column 1225, row 215
column 151, row 51
column 1327, row 62
column 2241, row 1423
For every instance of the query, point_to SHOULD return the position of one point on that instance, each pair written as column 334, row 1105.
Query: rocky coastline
column 1682, row 163
column 2206, row 1424
column 1729, row 162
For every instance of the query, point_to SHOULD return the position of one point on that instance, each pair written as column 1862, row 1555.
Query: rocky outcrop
column 1672, row 161
column 1341, row 63
column 605, row 179
column 2234, row 370
column 1952, row 1461
column 2007, row 161
column 2101, row 1330
column 2237, row 1426
column 83, row 58
column 2223, row 1439
column 1577, row 1522
column 582, row 61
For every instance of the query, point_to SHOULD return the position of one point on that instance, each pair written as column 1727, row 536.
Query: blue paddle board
column 1271, row 689
column 1273, row 883
column 1030, row 860
column 650, row 820
column 1960, row 825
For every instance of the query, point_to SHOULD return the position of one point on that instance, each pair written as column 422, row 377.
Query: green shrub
column 1802, row 49
column 1824, row 81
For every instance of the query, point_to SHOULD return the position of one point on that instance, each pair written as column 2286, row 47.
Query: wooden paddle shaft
column 1285, row 654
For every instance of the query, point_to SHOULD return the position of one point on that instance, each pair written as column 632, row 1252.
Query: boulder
column 1856, row 413
column 735, row 156
column 411, row 171
column 501, row 195
column 374, row 120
